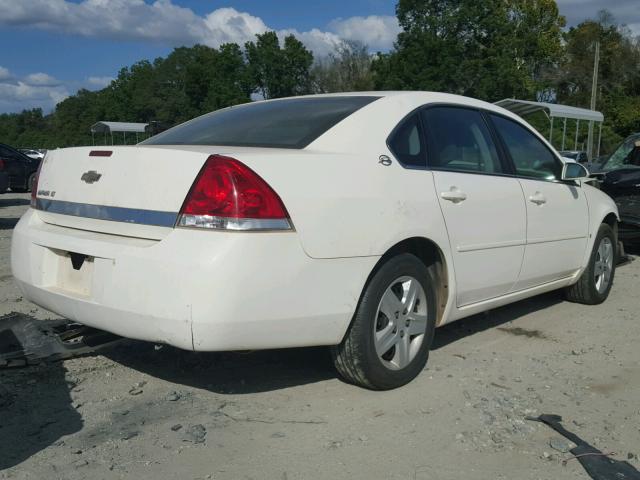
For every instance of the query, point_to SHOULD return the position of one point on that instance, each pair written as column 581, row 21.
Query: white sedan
column 360, row 221
column 35, row 154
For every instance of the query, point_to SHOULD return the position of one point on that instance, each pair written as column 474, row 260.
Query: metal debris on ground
column 27, row 341
column 596, row 463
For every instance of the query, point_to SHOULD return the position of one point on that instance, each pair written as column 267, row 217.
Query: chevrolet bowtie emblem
column 91, row 176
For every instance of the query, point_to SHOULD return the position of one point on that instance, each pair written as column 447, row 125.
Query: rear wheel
column 596, row 280
column 387, row 344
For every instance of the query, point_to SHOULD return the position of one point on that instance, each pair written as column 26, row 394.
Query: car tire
column 387, row 314
column 590, row 289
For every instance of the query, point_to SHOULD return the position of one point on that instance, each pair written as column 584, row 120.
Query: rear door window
column 459, row 140
column 407, row 142
column 288, row 123
column 531, row 157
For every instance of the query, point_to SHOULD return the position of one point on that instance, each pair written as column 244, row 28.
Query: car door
column 557, row 211
column 482, row 204
column 14, row 167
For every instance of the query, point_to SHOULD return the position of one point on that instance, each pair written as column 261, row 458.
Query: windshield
column 289, row 123
column 627, row 155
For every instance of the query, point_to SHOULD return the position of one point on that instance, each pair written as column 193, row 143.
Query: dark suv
column 621, row 180
column 18, row 169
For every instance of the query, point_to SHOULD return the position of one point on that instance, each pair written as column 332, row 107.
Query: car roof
column 418, row 98
column 9, row 147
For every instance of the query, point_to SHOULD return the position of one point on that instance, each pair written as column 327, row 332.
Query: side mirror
column 574, row 171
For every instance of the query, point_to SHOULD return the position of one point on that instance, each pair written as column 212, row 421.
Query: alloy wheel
column 604, row 265
column 401, row 322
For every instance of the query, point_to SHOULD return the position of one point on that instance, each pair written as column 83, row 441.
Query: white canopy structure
column 111, row 127
column 554, row 110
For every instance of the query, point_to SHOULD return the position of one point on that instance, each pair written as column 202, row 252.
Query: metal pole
column 124, row 138
column 137, row 141
column 599, row 138
column 551, row 132
column 594, row 95
column 575, row 145
column 111, row 138
column 564, row 131
column 93, row 138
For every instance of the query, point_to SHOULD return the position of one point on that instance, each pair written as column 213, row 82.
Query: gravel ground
column 135, row 411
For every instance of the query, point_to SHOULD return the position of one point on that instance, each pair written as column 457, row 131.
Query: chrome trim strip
column 535, row 241
column 514, row 243
column 239, row 224
column 104, row 212
column 489, row 246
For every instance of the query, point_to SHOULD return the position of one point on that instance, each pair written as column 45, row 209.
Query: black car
column 577, row 155
column 620, row 178
column 20, row 170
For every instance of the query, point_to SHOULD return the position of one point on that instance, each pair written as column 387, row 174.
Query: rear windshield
column 290, row 123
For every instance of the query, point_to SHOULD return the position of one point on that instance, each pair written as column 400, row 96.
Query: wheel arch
column 432, row 256
column 611, row 219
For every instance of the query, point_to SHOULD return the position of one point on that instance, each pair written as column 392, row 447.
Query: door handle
column 454, row 195
column 538, row 198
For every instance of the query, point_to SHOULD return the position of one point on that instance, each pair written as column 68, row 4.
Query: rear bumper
column 196, row 290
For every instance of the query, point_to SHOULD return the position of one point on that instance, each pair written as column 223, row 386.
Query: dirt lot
column 134, row 411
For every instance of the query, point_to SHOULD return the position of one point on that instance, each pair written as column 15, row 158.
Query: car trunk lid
column 132, row 191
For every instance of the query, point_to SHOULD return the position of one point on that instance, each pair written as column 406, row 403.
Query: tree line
column 489, row 50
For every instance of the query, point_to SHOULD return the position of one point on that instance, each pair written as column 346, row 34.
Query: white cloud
column 378, row 32
column 99, row 82
column 34, row 90
column 319, row 42
column 160, row 21
column 164, row 22
column 4, row 73
column 20, row 95
column 226, row 25
column 41, row 79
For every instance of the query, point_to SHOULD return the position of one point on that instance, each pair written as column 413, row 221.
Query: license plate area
column 74, row 272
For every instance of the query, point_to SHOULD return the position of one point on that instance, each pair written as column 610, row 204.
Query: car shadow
column 36, row 410
column 469, row 326
column 228, row 372
column 267, row 370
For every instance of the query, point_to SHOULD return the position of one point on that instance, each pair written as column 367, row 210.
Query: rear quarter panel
column 343, row 202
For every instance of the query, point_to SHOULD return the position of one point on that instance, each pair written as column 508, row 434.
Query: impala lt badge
column 91, row 176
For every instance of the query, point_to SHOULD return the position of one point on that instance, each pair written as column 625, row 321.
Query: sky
column 51, row 48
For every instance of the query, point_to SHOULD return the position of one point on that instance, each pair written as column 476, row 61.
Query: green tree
column 186, row 83
column 229, row 82
column 490, row 49
column 277, row 71
column 618, row 95
column 346, row 69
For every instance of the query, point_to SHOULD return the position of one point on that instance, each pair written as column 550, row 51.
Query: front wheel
column 387, row 344
column 594, row 285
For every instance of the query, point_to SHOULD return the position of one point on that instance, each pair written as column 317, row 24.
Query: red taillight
column 34, row 187
column 229, row 195
column 1, row 164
